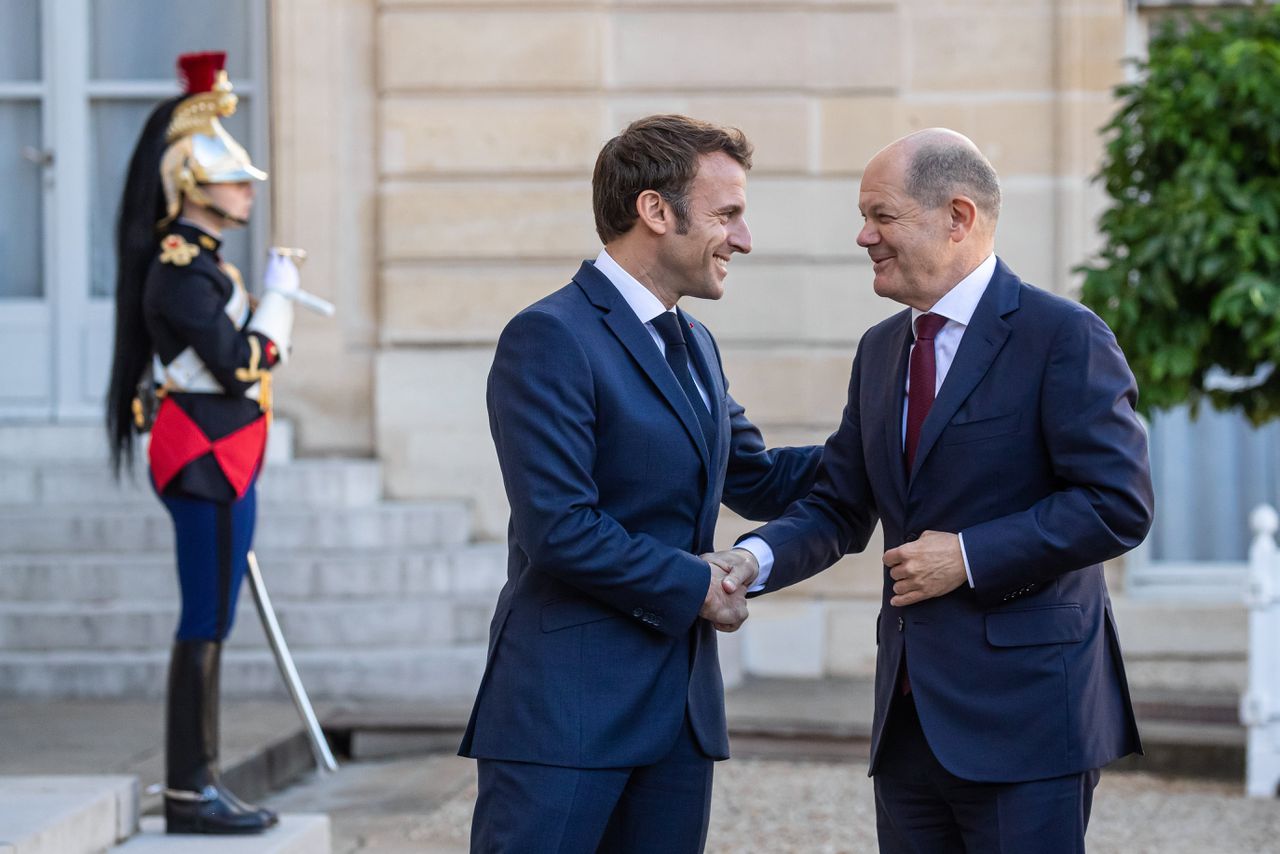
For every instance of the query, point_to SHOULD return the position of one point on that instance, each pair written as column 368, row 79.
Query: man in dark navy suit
column 602, row 707
column 990, row 428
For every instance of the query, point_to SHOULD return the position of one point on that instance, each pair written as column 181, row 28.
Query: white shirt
column 957, row 306
column 646, row 306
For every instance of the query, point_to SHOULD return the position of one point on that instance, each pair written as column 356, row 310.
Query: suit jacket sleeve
column 1097, row 450
column 542, row 415
column 838, row 516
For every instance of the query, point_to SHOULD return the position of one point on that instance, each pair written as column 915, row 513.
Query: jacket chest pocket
column 981, row 429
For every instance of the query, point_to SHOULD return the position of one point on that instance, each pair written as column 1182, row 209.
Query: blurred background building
column 434, row 158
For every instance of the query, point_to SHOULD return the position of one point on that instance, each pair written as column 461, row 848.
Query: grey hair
column 940, row 171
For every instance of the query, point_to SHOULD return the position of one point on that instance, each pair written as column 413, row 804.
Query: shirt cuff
column 965, row 555
column 764, row 556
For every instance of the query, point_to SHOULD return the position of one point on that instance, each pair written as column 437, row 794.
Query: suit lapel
column 982, row 341
column 633, row 336
column 898, row 349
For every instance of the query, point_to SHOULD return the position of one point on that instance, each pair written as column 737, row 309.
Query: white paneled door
column 25, row 313
column 77, row 80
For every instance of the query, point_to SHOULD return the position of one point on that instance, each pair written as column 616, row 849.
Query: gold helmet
column 200, row 149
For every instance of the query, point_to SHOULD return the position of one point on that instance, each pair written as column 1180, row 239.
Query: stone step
column 302, row 574
column 1166, row 673
column 1181, row 646
column 86, row 441
column 307, row 483
column 387, row 525
column 297, row 833
column 421, row 621
column 1152, row 628
column 42, row 440
column 338, row 674
column 66, row 814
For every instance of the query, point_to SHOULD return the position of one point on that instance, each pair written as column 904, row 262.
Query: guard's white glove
column 282, row 275
column 274, row 314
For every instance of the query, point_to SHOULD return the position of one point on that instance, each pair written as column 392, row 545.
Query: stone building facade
column 435, row 158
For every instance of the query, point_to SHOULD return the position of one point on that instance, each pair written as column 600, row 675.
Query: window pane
column 19, row 39
column 114, row 129
column 141, row 39
column 22, row 202
column 1208, row 474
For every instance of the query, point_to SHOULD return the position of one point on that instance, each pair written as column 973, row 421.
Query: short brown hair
column 657, row 153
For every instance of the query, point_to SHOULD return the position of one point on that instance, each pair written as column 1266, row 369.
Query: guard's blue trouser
column 213, row 542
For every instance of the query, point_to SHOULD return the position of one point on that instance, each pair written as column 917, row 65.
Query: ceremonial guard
column 193, row 355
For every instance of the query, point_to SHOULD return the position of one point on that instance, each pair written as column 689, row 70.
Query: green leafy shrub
column 1189, row 277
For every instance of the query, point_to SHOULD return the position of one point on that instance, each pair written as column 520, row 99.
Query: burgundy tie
column 923, row 379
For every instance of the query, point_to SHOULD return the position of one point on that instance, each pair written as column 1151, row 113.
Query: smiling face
column 910, row 245
column 693, row 259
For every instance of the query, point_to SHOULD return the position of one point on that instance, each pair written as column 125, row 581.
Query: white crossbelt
column 188, row 372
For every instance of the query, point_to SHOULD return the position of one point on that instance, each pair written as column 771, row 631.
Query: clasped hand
column 926, row 568
column 732, row 572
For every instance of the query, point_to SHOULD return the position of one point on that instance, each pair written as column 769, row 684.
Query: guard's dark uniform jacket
column 212, row 369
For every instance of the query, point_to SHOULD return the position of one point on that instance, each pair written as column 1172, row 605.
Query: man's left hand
column 724, row 610
column 931, row 566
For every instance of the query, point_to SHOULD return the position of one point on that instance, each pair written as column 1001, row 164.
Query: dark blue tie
column 669, row 327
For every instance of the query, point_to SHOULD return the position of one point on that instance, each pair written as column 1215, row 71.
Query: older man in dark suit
column 990, row 428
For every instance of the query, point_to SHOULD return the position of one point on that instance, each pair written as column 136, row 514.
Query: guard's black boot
column 194, row 799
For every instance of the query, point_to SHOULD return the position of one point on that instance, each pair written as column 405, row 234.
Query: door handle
column 39, row 156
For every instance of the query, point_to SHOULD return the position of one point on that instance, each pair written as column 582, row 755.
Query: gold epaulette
column 175, row 250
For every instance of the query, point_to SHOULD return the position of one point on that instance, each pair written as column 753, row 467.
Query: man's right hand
column 741, row 566
column 726, row 611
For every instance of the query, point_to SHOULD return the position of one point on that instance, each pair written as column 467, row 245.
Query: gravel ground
column 779, row 807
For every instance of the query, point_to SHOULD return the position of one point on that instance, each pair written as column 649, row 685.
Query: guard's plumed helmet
column 200, row 149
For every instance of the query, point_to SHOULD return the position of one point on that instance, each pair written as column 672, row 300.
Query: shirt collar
column 641, row 299
column 959, row 303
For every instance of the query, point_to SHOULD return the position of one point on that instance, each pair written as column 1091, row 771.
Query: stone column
column 323, row 184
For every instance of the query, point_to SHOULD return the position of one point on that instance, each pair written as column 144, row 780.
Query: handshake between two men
column 930, row 566
column 1009, row 415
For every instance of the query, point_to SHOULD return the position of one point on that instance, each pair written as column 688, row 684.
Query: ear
column 654, row 212
column 964, row 218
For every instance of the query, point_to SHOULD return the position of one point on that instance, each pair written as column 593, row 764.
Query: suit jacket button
column 638, row 612
column 901, row 623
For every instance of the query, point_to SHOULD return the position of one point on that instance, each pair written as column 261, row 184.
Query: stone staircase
column 379, row 600
column 93, row 814
column 65, row 814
